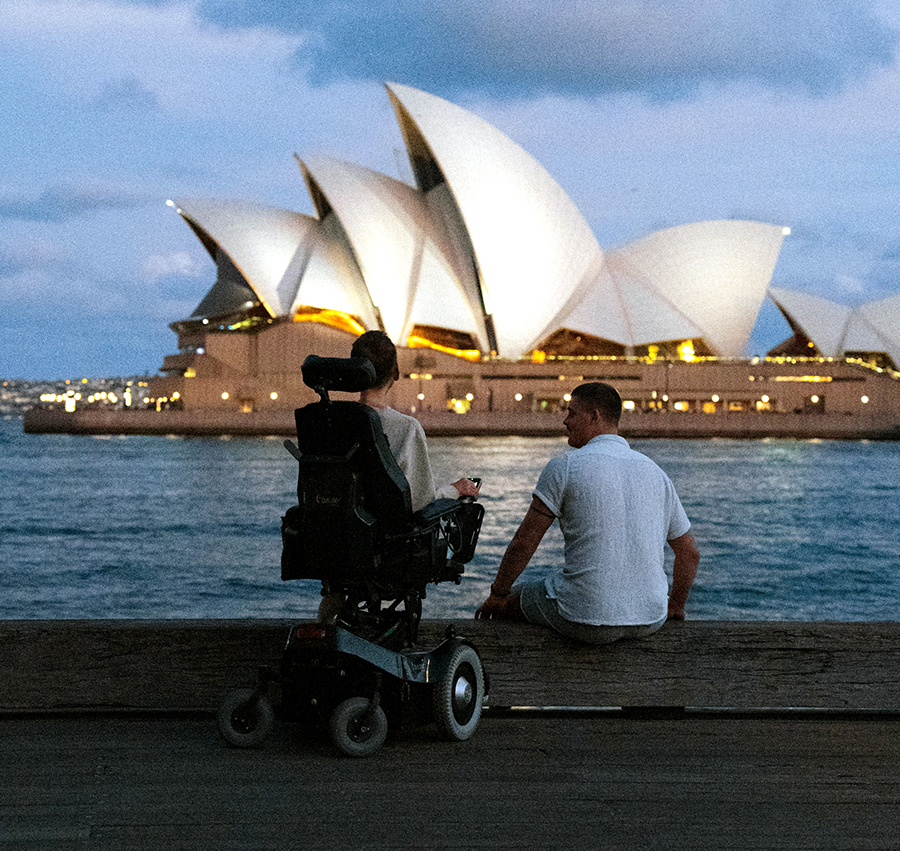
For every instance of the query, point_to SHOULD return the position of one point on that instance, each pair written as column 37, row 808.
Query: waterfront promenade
column 536, row 781
column 108, row 741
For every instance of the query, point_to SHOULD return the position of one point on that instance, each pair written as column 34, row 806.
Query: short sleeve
column 551, row 484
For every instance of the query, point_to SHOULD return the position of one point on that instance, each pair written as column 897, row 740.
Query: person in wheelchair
column 405, row 434
column 406, row 439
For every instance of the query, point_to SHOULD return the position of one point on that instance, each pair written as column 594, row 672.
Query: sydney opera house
column 501, row 300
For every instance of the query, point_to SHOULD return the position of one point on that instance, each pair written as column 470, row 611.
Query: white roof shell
column 838, row 328
column 408, row 261
column 529, row 240
column 275, row 249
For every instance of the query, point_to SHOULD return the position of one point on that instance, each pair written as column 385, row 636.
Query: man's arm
column 687, row 557
column 538, row 519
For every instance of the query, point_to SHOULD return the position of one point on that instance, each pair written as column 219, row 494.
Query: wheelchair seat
column 353, row 527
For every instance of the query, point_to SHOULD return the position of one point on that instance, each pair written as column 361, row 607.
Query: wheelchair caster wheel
column 355, row 730
column 457, row 698
column 245, row 718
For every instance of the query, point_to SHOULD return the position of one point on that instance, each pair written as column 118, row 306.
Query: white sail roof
column 407, row 259
column 709, row 276
column 824, row 322
column 260, row 241
column 529, row 240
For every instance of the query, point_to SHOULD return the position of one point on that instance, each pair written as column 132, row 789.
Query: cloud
column 520, row 48
column 126, row 94
column 159, row 266
column 63, row 202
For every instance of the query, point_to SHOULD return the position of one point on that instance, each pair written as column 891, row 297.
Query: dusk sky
column 649, row 113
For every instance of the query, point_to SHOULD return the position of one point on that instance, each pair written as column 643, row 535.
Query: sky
column 649, row 113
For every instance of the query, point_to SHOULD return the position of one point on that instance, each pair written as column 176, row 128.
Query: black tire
column 457, row 698
column 354, row 730
column 245, row 718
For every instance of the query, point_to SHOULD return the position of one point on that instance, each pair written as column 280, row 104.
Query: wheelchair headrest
column 351, row 375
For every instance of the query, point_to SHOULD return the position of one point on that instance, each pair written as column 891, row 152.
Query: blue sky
column 649, row 113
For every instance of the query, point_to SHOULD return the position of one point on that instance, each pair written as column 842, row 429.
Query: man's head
column 380, row 350
column 594, row 409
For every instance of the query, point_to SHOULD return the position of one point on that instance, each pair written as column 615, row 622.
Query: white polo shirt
column 616, row 509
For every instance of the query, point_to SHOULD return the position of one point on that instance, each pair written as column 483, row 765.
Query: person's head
column 380, row 350
column 594, row 408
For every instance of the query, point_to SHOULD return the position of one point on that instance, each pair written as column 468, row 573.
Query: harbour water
column 174, row 527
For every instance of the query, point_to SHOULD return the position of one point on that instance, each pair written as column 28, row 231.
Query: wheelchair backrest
column 349, row 434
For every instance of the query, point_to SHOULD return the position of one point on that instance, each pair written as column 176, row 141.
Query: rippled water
column 156, row 527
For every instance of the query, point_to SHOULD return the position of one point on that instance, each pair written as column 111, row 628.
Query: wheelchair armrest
column 434, row 511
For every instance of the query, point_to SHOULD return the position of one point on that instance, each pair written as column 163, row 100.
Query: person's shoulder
column 395, row 419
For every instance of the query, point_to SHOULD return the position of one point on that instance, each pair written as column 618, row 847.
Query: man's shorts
column 543, row 610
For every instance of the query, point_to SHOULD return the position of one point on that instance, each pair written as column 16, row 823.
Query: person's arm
column 538, row 519
column 687, row 557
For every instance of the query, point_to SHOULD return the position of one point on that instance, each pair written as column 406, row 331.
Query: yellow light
column 176, row 395
column 225, row 395
column 273, row 395
column 416, row 342
column 864, row 400
column 538, row 356
column 628, row 405
column 421, row 397
column 335, row 318
column 469, row 397
column 686, row 351
column 518, row 397
column 814, row 399
column 567, row 397
column 715, row 397
column 764, row 399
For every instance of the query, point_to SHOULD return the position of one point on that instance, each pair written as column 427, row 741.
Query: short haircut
column 602, row 398
column 381, row 351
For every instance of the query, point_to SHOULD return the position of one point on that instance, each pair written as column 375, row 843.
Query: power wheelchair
column 354, row 530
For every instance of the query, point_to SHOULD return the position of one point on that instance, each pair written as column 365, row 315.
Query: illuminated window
column 459, row 406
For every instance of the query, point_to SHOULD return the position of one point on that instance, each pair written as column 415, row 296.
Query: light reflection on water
column 153, row 527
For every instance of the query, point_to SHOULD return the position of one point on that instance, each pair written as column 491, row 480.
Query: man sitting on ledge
column 616, row 509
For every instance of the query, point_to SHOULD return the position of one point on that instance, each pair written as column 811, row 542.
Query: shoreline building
column 501, row 301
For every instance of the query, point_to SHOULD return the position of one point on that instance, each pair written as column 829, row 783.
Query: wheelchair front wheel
column 357, row 730
column 245, row 718
column 457, row 698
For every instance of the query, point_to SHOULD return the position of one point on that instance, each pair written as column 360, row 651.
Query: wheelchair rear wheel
column 357, row 730
column 457, row 698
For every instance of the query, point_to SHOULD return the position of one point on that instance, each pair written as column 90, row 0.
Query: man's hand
column 676, row 613
column 497, row 608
